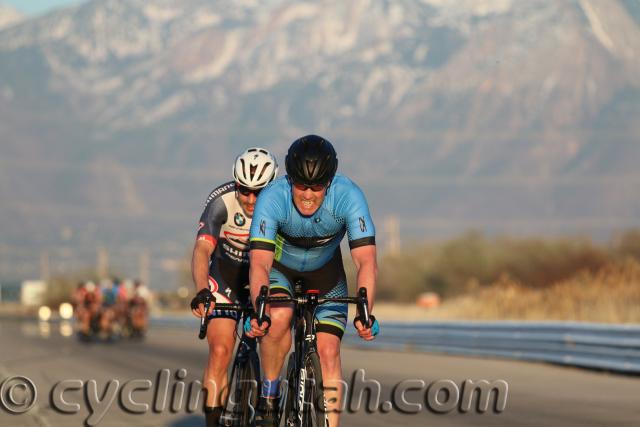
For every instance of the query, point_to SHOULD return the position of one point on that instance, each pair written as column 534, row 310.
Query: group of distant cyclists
column 111, row 308
column 260, row 229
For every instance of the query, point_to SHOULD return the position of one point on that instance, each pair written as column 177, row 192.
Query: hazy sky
column 36, row 7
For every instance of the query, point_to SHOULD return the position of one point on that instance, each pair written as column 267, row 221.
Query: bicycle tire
column 243, row 398
column 314, row 412
column 288, row 416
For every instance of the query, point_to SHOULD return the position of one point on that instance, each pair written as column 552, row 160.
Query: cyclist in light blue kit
column 298, row 223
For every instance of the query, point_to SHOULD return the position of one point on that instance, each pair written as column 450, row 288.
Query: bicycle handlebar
column 263, row 299
column 361, row 301
column 261, row 304
column 363, row 308
column 204, row 320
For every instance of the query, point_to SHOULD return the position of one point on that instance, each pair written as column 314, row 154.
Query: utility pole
column 102, row 262
column 3, row 262
column 392, row 233
column 44, row 266
column 143, row 266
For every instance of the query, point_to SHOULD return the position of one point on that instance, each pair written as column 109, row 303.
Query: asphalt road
column 537, row 394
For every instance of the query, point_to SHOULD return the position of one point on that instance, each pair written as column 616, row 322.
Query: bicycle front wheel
column 314, row 412
column 288, row 416
column 243, row 398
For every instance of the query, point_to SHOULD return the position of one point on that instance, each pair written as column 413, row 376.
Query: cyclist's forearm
column 364, row 259
column 200, row 267
column 260, row 262
column 258, row 276
column 366, row 278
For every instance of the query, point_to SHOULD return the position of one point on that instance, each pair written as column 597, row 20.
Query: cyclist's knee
column 280, row 320
column 329, row 352
column 220, row 352
column 328, row 348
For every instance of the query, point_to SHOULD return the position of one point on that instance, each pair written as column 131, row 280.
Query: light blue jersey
column 306, row 243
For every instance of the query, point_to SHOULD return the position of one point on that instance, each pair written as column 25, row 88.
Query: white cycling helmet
column 255, row 168
column 89, row 286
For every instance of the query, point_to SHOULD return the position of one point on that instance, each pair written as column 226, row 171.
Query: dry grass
column 611, row 295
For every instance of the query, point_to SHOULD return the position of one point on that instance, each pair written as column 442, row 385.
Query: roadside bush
column 463, row 264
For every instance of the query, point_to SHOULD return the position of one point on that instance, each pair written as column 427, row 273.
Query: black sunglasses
column 303, row 187
column 245, row 191
column 315, row 187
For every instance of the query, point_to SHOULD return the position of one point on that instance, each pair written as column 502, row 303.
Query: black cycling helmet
column 311, row 160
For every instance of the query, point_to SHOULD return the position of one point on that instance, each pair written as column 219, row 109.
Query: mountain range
column 117, row 117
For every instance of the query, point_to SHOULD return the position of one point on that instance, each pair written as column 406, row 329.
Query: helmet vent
column 244, row 167
column 311, row 167
column 264, row 168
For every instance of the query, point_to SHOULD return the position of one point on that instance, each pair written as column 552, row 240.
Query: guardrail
column 589, row 345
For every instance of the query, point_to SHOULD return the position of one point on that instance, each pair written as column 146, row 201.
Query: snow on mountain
column 9, row 16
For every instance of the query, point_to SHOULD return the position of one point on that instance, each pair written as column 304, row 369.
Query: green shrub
column 455, row 266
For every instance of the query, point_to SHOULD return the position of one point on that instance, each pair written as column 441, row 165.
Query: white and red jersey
column 225, row 224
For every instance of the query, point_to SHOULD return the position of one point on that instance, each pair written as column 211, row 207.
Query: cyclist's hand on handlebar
column 253, row 329
column 197, row 303
column 365, row 333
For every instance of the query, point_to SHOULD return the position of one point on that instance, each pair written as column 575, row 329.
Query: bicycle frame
column 246, row 349
column 305, row 340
